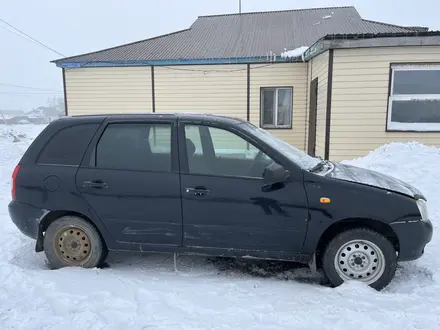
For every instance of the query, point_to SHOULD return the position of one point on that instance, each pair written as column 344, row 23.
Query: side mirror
column 274, row 174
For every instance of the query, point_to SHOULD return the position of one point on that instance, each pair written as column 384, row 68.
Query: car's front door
column 224, row 206
column 130, row 178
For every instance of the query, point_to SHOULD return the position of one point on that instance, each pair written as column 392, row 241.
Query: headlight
column 423, row 209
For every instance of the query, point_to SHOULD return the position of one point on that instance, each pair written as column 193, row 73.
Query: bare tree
column 56, row 102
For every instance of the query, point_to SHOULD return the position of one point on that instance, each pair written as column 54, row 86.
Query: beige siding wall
column 319, row 69
column 108, row 90
column 214, row 89
column 285, row 75
column 360, row 96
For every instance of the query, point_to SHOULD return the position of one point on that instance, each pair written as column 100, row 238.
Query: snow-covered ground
column 145, row 292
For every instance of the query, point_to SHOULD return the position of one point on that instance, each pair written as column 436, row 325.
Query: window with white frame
column 414, row 101
column 276, row 107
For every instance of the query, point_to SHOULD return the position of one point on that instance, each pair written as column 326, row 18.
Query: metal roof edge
column 391, row 41
column 209, row 61
column 409, row 34
column 431, row 38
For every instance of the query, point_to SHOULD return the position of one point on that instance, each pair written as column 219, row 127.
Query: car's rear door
column 224, row 205
column 130, row 178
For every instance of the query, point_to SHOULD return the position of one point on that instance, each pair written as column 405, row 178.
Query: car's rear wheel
column 360, row 254
column 73, row 242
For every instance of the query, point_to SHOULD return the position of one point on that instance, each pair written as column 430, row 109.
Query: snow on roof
column 294, row 52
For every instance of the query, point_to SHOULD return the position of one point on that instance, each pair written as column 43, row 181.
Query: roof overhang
column 348, row 41
column 202, row 61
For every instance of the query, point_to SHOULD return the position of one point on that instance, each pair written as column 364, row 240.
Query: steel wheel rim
column 360, row 260
column 73, row 245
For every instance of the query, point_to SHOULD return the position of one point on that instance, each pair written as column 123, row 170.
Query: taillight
column 14, row 181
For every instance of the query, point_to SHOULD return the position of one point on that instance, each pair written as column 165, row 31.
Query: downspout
column 307, row 123
column 65, row 91
column 328, row 114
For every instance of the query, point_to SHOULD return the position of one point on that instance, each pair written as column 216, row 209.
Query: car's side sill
column 214, row 252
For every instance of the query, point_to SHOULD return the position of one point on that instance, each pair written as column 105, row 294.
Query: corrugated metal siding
column 283, row 75
column 213, row 89
column 108, row 90
column 360, row 97
column 319, row 68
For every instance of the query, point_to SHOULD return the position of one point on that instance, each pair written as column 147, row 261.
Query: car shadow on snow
column 25, row 257
column 214, row 266
column 281, row 270
column 410, row 276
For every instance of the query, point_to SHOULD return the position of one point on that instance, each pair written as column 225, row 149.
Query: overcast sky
column 75, row 27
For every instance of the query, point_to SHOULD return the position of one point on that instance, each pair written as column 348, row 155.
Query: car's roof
column 157, row 115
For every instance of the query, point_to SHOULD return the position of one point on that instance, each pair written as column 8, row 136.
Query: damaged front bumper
column 413, row 236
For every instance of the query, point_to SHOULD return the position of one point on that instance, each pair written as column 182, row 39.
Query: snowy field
column 145, row 292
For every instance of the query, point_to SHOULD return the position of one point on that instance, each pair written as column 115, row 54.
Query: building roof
column 243, row 36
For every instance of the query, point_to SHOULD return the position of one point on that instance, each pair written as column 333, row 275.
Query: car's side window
column 192, row 133
column 133, row 146
column 68, row 145
column 159, row 139
column 231, row 155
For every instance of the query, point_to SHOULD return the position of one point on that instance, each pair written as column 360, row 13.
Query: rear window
column 68, row 145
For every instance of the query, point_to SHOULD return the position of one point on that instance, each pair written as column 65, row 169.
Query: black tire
column 55, row 254
column 363, row 234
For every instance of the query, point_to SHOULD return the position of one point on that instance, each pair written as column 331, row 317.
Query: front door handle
column 95, row 184
column 198, row 191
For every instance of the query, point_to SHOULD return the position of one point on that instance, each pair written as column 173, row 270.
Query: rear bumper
column 413, row 237
column 26, row 217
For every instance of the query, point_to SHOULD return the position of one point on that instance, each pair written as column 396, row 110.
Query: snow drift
column 144, row 291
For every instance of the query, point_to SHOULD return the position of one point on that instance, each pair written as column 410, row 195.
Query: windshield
column 299, row 157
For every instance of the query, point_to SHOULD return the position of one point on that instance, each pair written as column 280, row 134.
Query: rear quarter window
column 68, row 145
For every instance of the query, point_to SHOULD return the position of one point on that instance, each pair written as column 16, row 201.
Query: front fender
column 353, row 202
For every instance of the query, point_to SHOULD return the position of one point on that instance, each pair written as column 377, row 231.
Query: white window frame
column 275, row 126
column 419, row 127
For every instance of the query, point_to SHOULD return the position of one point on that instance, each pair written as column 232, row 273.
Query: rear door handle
column 95, row 184
column 197, row 191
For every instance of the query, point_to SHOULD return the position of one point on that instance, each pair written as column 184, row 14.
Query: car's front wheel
column 72, row 241
column 360, row 254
